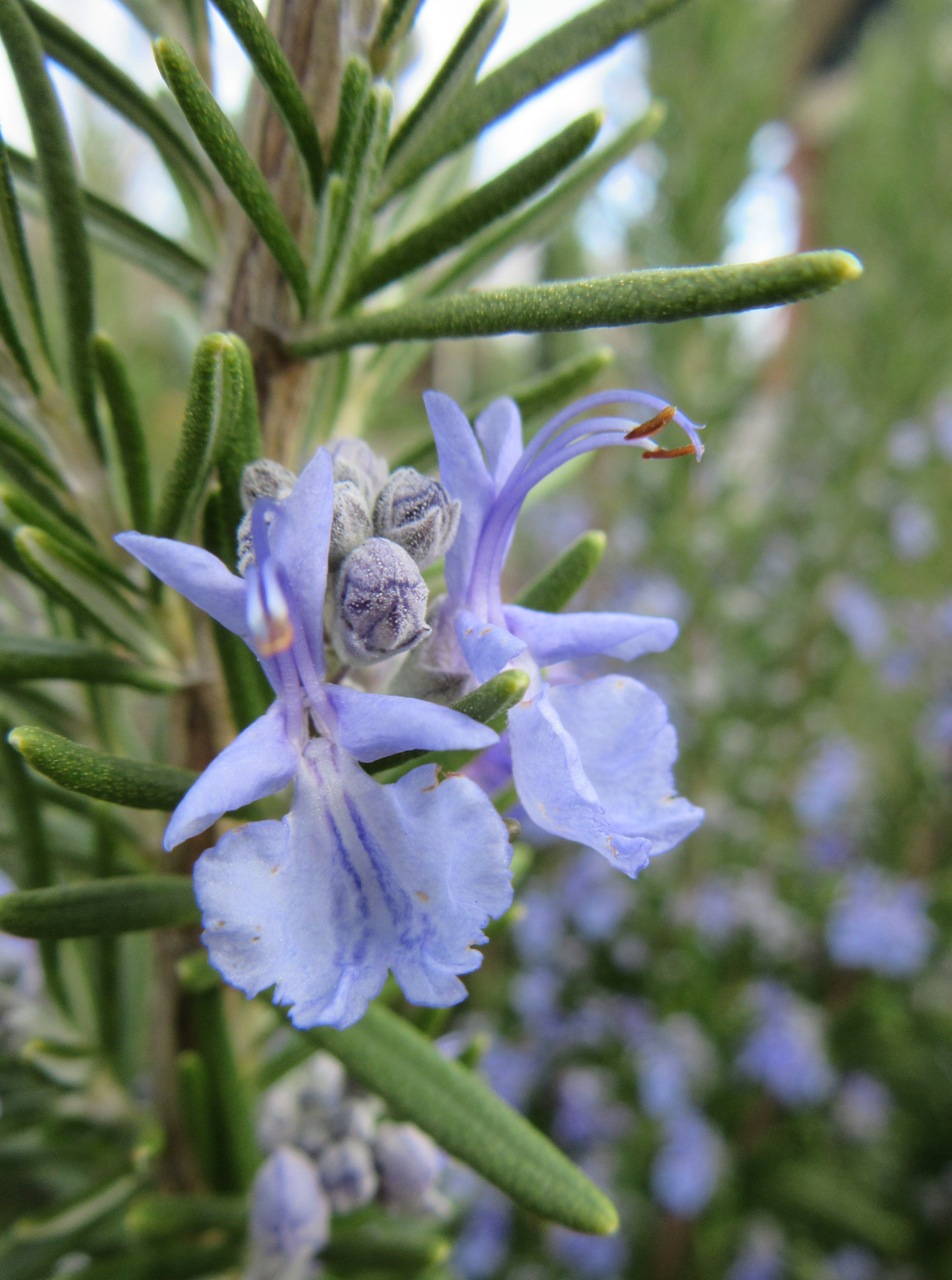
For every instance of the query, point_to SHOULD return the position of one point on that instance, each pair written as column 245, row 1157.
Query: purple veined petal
column 356, row 880
column 486, row 648
column 559, row 637
column 555, row 790
column 260, row 761
column 628, row 749
column 300, row 537
column 194, row 573
column 373, row 725
column 499, row 429
column 464, row 476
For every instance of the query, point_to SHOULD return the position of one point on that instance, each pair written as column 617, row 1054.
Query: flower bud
column 417, row 514
column 246, row 546
column 379, row 604
column 351, row 524
column 265, row 479
column 354, row 460
column 348, row 1175
column 410, row 1164
column 290, row 1215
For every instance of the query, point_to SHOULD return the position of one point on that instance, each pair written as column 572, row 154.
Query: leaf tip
column 850, row 267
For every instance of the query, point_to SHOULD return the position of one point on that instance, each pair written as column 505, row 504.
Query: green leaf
column 215, row 399
column 30, row 512
column 103, row 78
column 127, row 430
column 10, row 335
column 350, row 218
column 11, row 225
column 119, row 232
column 231, row 1115
column 100, row 908
column 392, row 1059
column 156, row 1217
column 557, row 584
column 825, row 1196
column 51, row 658
column 460, row 221
column 188, row 1260
column 68, row 578
column 637, row 297
column 275, row 73
column 578, row 41
column 238, row 443
column 17, row 441
column 354, row 88
column 418, row 135
column 64, row 207
column 560, row 384
column 197, row 1107
column 485, row 704
column 133, row 783
column 222, row 145
column 83, row 1213
column 386, row 1245
column 395, row 21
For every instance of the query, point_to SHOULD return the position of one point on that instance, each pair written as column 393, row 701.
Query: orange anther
column 653, row 425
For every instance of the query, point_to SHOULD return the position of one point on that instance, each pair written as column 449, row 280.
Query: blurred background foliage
column 806, row 561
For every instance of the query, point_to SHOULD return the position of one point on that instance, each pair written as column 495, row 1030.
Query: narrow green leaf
column 12, row 227
column 10, row 336
column 485, row 704
column 237, row 444
column 346, row 234
column 64, row 207
column 17, row 440
column 127, row 430
column 69, row 578
column 557, row 584
column 108, row 82
column 181, row 1260
column 214, row 400
column 275, row 73
column 395, row 21
column 83, row 1213
column 51, row 658
column 578, row 41
column 119, row 232
column 156, row 1217
column 27, row 511
column 637, row 297
column 558, row 385
column 418, row 135
column 133, row 783
column 463, row 219
column 232, row 1119
column 387, row 1245
column 100, row 908
column 824, row 1196
column 392, row 1059
column 354, row 88
column 32, row 846
column 197, row 1107
column 222, row 145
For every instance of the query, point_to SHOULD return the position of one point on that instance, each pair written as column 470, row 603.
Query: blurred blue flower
column 881, row 924
column 358, row 878
column 785, row 1051
column 853, row 1262
column 863, row 1107
column 290, row 1216
column 688, row 1167
column 761, row 1257
column 592, row 761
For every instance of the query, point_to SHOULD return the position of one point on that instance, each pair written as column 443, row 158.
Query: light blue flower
column 688, row 1167
column 289, row 1219
column 592, row 761
column 881, row 924
column 785, row 1050
column 358, row 877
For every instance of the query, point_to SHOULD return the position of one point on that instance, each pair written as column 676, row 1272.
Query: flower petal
column 555, row 790
column 499, row 429
column 373, row 725
column 300, row 537
column 464, row 476
column 628, row 749
column 356, row 879
column 259, row 762
column 194, row 573
column 486, row 648
column 558, row 637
